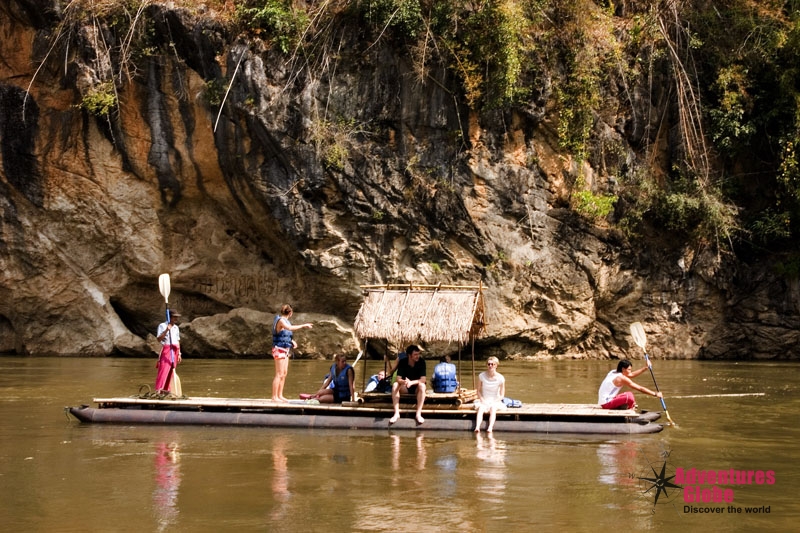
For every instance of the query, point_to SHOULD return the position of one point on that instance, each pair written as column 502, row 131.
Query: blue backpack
column 508, row 402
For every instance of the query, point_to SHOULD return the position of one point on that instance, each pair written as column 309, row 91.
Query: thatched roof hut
column 421, row 313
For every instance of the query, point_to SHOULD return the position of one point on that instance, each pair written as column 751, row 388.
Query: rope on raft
column 146, row 393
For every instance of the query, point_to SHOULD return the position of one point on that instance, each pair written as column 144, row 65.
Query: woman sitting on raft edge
column 342, row 376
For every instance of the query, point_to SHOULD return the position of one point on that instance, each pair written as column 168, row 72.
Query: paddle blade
column 177, row 390
column 638, row 335
column 358, row 357
column 163, row 286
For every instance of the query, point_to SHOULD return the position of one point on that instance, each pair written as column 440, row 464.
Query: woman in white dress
column 491, row 391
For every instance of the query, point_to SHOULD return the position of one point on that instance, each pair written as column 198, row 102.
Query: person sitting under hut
column 410, row 380
column 343, row 378
column 378, row 383
column 609, row 397
column 444, row 376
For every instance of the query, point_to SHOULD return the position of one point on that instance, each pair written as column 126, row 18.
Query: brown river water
column 734, row 420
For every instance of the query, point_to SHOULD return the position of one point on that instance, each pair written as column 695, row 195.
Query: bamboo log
column 418, row 287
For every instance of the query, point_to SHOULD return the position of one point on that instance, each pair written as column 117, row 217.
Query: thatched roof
column 421, row 313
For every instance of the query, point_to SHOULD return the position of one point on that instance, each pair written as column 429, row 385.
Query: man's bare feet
column 420, row 420
column 477, row 429
column 488, row 430
column 281, row 400
column 394, row 419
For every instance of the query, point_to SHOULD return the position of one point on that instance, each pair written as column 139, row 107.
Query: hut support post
column 366, row 356
column 474, row 386
column 460, row 382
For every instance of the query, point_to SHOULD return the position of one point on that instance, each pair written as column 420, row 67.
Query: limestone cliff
column 256, row 181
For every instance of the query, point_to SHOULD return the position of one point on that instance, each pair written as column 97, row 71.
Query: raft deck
column 438, row 414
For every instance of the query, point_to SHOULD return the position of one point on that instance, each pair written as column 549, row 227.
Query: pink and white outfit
column 608, row 395
column 170, row 354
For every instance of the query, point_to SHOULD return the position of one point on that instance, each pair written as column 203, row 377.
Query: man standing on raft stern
column 410, row 380
column 609, row 397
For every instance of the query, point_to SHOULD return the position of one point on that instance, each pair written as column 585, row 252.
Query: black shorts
column 339, row 399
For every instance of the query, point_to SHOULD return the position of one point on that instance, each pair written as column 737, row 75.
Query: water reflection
column 448, row 469
column 546, row 483
column 617, row 462
column 491, row 469
column 280, row 478
column 420, row 459
column 167, row 467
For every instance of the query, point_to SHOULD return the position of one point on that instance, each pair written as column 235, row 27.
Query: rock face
column 297, row 187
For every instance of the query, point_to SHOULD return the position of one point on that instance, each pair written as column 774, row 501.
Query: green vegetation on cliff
column 706, row 94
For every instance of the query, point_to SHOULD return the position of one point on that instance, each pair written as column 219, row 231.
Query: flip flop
column 306, row 396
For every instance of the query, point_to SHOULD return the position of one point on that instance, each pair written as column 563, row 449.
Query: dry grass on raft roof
column 405, row 316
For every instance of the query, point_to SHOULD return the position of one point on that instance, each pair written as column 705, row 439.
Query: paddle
column 164, row 288
column 358, row 358
column 641, row 340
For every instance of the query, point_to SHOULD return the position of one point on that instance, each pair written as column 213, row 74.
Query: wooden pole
column 459, row 365
column 421, row 287
column 366, row 356
column 427, row 309
column 380, row 307
column 473, row 363
column 403, row 307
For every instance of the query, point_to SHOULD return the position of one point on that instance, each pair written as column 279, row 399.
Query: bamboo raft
column 438, row 414
column 400, row 314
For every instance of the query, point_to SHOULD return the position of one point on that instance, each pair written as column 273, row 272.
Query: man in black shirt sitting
column 410, row 380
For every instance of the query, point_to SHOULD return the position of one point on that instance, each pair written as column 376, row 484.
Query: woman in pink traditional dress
column 169, row 336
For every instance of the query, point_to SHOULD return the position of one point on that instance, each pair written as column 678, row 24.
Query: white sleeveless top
column 490, row 388
column 608, row 390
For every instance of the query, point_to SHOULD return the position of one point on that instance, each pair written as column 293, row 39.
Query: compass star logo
column 660, row 483
column 656, row 478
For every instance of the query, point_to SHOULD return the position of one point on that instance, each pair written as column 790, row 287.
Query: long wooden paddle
column 164, row 289
column 641, row 340
column 358, row 358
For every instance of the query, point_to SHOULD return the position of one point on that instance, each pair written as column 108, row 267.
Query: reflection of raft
column 530, row 418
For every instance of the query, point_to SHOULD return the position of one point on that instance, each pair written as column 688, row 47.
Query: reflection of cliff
column 167, row 484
